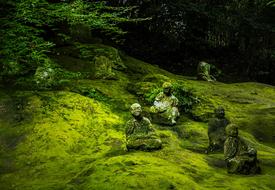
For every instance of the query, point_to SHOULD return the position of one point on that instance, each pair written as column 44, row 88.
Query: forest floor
column 63, row 139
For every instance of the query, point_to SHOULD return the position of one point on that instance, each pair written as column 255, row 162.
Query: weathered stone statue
column 164, row 110
column 203, row 72
column 240, row 157
column 216, row 130
column 140, row 134
column 103, row 68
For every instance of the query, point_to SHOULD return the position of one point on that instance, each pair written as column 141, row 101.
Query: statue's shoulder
column 174, row 97
column 146, row 120
column 130, row 122
column 160, row 95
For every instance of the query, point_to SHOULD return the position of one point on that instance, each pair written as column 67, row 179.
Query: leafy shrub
column 25, row 22
column 151, row 95
column 185, row 96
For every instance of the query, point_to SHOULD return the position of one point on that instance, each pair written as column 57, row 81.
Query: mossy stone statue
column 140, row 134
column 103, row 68
column 203, row 72
column 239, row 156
column 165, row 110
column 216, row 130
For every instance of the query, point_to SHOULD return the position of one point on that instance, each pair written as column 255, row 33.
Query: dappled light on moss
column 75, row 139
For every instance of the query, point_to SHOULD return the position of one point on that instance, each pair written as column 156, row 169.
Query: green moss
column 90, row 92
column 137, row 171
column 250, row 105
column 64, row 140
column 64, row 125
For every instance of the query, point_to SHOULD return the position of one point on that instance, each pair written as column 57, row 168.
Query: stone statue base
column 162, row 119
column 167, row 117
column 148, row 144
column 243, row 165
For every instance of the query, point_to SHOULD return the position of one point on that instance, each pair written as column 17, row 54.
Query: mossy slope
column 64, row 140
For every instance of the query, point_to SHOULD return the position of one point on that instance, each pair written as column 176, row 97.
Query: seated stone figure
column 164, row 110
column 216, row 130
column 203, row 72
column 103, row 68
column 239, row 156
column 140, row 134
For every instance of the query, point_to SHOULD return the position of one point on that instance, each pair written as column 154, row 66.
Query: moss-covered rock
column 95, row 61
column 90, row 51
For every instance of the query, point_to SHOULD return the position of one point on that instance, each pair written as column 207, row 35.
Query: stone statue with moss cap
column 140, row 134
column 165, row 110
column 203, row 72
column 239, row 156
column 216, row 130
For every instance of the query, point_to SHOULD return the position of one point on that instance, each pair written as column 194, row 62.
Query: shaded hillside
column 73, row 138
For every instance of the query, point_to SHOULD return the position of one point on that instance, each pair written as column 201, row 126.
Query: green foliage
column 185, row 96
column 23, row 47
column 151, row 95
column 271, row 3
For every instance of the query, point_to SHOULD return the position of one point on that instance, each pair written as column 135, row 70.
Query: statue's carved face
column 232, row 130
column 167, row 90
column 219, row 112
column 136, row 110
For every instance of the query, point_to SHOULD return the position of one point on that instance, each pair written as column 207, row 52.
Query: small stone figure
column 239, row 156
column 164, row 110
column 216, row 130
column 103, row 68
column 203, row 72
column 140, row 134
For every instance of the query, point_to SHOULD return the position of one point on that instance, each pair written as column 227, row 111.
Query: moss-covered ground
column 74, row 138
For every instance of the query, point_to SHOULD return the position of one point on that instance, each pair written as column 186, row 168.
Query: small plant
column 185, row 96
column 91, row 93
column 151, row 95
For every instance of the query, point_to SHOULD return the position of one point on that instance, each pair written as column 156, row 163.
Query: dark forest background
column 238, row 37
